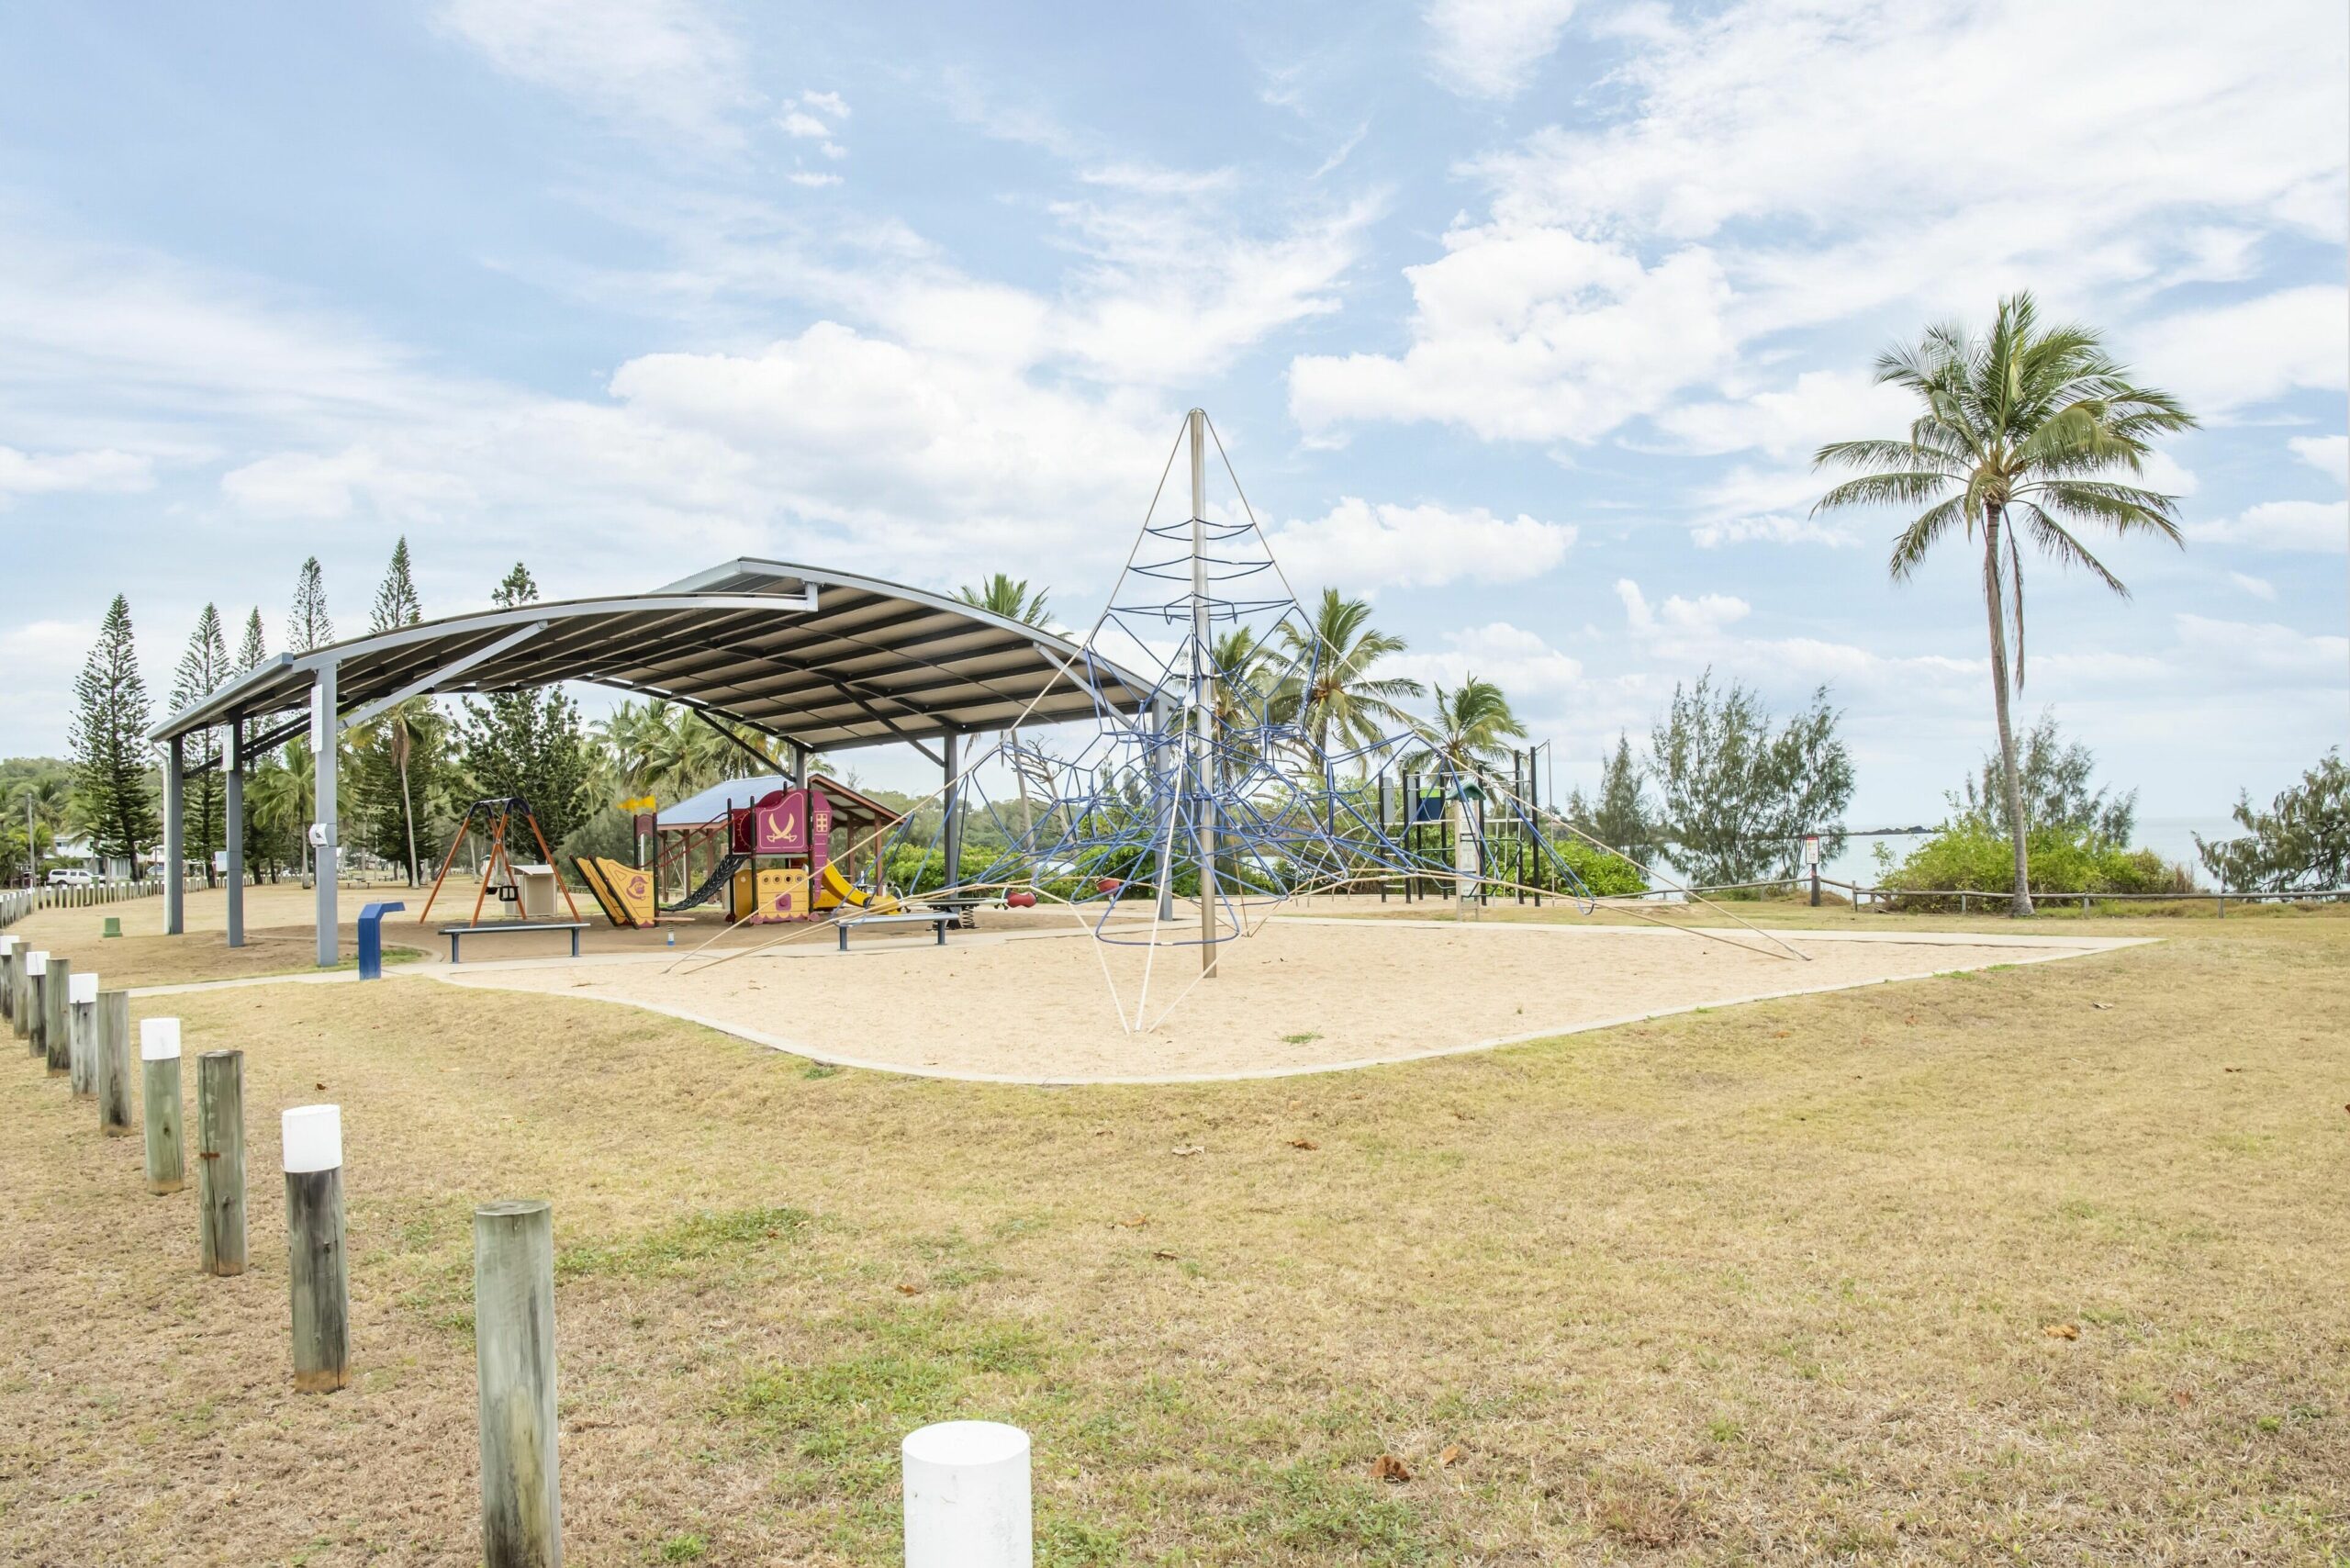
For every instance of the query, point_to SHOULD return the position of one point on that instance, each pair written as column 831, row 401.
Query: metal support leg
column 174, row 832
column 324, row 734
column 951, row 752
column 236, row 834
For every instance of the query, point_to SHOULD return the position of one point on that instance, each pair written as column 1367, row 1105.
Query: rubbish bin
column 371, row 939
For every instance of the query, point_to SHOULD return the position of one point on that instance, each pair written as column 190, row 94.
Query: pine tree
column 397, row 602
column 309, row 628
column 115, row 795
column 203, row 668
column 530, row 744
column 254, row 651
column 397, row 758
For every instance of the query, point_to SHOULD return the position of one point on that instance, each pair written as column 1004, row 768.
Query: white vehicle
column 70, row 877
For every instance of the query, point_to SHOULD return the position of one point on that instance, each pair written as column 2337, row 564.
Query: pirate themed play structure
column 768, row 850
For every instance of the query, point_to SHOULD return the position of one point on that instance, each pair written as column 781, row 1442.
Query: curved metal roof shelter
column 826, row 659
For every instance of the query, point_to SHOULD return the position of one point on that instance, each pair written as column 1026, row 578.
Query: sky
column 1521, row 318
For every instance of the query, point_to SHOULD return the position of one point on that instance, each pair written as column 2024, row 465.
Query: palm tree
column 406, row 730
column 1330, row 687
column 2023, row 431
column 1001, row 595
column 1471, row 733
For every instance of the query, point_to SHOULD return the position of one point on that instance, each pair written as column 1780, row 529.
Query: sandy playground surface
column 1301, row 995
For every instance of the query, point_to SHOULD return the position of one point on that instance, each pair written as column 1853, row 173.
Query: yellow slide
column 625, row 892
column 838, row 889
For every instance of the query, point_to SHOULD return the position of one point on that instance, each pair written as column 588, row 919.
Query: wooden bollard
column 159, row 1062
column 221, row 1159
column 80, row 1045
column 57, row 1015
column 35, row 998
column 10, row 950
column 320, row 1274
column 112, row 1028
column 521, row 1494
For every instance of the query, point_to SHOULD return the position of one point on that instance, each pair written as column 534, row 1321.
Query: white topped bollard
column 311, row 1140
column 81, row 1024
column 159, row 1061
column 967, row 1496
column 32, row 1001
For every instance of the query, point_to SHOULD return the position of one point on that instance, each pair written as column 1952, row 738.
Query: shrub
column 1969, row 855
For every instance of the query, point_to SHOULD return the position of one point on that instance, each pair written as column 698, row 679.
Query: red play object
column 1023, row 899
column 1108, row 885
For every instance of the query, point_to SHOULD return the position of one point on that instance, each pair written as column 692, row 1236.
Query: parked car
column 70, row 877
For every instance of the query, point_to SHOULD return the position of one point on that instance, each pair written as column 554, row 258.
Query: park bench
column 940, row 918
column 456, row 934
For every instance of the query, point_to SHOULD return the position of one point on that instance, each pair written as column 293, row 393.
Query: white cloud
column 1775, row 528
column 2261, row 649
column 1817, row 408
column 2281, row 525
column 1491, row 48
column 104, row 472
column 2326, row 454
column 1356, row 546
column 1702, row 617
column 812, row 180
column 831, row 104
column 325, row 486
column 661, row 66
column 2232, row 355
column 2260, row 588
column 1532, row 334
column 799, row 123
column 1529, row 671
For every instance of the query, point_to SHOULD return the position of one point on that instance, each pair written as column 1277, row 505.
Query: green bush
column 1969, row 857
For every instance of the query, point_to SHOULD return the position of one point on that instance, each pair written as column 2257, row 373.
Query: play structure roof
column 701, row 809
column 827, row 659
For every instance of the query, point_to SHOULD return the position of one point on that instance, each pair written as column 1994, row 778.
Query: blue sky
column 1520, row 316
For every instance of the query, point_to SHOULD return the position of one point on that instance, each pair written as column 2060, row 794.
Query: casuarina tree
column 530, row 743
column 308, row 628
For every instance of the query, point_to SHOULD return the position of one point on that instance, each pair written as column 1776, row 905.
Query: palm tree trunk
column 2020, row 905
column 408, row 811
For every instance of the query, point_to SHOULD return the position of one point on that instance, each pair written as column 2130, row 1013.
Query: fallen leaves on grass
column 1131, row 1222
column 1450, row 1456
column 1185, row 1150
column 2060, row 1330
column 1166, row 1255
column 1388, row 1468
column 1306, row 1143
column 910, row 1290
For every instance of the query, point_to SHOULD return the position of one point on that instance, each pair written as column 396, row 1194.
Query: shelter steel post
column 1202, row 698
column 174, row 828
column 235, row 808
column 950, row 749
column 323, row 737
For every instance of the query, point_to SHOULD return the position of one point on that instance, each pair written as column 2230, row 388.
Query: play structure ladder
column 710, row 885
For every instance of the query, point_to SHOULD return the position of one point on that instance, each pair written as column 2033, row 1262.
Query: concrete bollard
column 35, row 998
column 521, row 1493
column 159, row 1061
column 8, row 946
column 319, row 1273
column 221, row 1159
column 967, row 1496
column 81, row 1054
column 57, row 1014
column 112, row 1045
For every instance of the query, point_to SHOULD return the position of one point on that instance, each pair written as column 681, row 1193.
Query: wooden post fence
column 57, row 1013
column 159, row 1061
column 80, row 1045
column 36, row 998
column 113, row 1024
column 521, row 1495
column 319, row 1272
column 221, row 1159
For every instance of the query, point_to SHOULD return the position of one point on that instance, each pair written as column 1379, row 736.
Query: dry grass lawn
column 2037, row 1264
